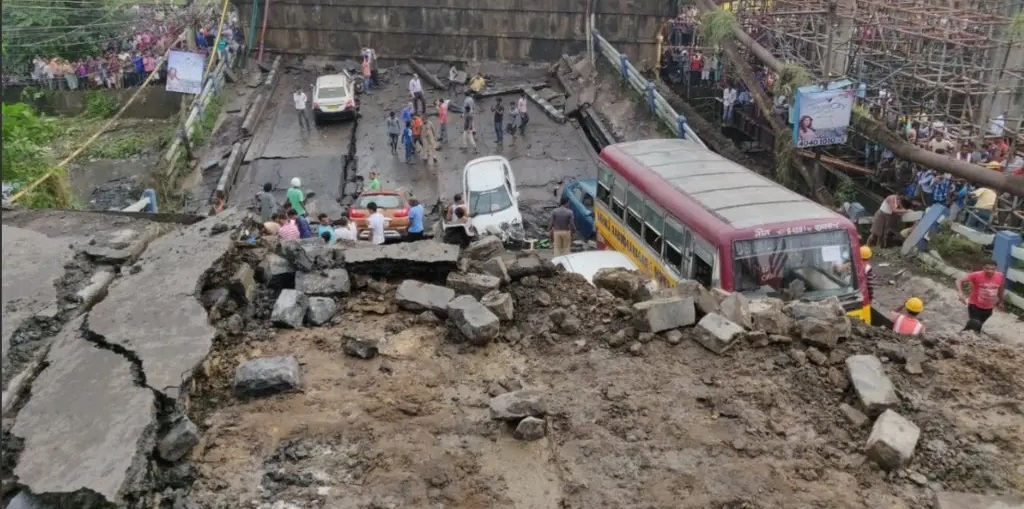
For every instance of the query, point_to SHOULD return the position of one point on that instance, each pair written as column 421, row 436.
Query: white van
column 489, row 188
column 334, row 96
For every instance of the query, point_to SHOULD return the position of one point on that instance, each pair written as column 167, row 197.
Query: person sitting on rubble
column 457, row 203
column 325, row 230
column 460, row 215
column 346, row 230
column 478, row 83
column 905, row 320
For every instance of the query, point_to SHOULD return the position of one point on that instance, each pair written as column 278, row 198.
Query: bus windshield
column 820, row 263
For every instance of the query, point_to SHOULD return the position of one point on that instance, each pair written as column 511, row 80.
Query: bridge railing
column 655, row 102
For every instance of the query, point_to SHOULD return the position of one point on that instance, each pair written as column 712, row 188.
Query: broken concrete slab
column 824, row 332
column 501, row 304
column 243, row 283
column 168, row 330
column 267, row 376
column 822, row 309
column 496, row 267
column 530, row 428
column 321, row 310
column 659, row 315
column 767, row 315
column 427, row 260
column 26, row 500
column 324, row 282
column 181, row 438
column 875, row 391
column 736, row 308
column 516, row 405
column 484, row 248
column 307, row 254
column 413, row 295
column 530, row 264
column 703, row 299
column 96, row 289
column 88, row 414
column 717, row 333
column 289, row 309
column 623, row 283
column 892, row 441
column 276, row 272
column 956, row 500
column 476, row 285
column 854, row 416
column 473, row 320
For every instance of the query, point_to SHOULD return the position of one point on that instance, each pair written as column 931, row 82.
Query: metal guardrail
column 647, row 89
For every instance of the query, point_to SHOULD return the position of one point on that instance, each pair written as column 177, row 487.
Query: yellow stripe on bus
column 623, row 241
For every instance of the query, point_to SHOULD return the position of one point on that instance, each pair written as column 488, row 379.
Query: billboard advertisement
column 822, row 117
column 185, row 72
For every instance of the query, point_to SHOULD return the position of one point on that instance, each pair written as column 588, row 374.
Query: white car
column 334, row 96
column 489, row 188
column 588, row 263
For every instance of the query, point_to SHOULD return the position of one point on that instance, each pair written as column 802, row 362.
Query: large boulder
column 501, row 304
column 824, row 333
column 321, row 310
column 181, row 438
column 469, row 283
column 736, row 307
column 307, row 254
column 717, row 333
column 516, row 405
column 767, row 315
column 623, row 283
column 473, row 320
column 496, row 267
column 659, row 315
column 266, row 376
column 276, row 272
column 484, row 248
column 289, row 309
column 821, row 309
column 892, row 441
column 416, row 296
column 529, row 264
column 324, row 282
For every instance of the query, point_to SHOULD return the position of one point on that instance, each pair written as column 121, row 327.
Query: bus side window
column 654, row 224
column 702, row 271
column 635, row 213
column 619, row 198
column 604, row 185
column 676, row 242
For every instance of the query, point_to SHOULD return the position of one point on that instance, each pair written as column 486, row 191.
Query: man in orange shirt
column 417, row 130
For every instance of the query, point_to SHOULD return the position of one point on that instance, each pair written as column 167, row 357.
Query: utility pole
column 833, row 6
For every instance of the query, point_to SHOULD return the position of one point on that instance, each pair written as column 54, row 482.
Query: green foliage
column 120, row 148
column 716, row 27
column 846, row 191
column 204, row 127
column 791, row 77
column 1016, row 29
column 958, row 250
column 99, row 104
column 25, row 134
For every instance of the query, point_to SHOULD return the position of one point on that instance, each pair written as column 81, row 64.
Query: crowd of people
column 127, row 61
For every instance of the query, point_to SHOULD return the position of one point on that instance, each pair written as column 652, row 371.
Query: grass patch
column 958, row 250
column 99, row 104
column 125, row 147
column 204, row 127
column 25, row 138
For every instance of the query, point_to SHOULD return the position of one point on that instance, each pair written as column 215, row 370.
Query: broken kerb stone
column 496, row 267
column 703, row 299
column 854, row 416
column 767, row 315
column 529, row 264
column 476, row 285
column 414, row 295
column 307, row 254
column 266, row 376
column 659, row 315
column 484, row 248
column 321, row 310
column 956, row 500
column 622, row 283
column 530, row 428
column 359, row 348
column 824, row 333
column 874, row 389
column 516, row 405
column 892, row 441
column 182, row 437
column 736, row 308
column 276, row 272
column 822, row 309
column 716, row 333
column 324, row 282
column 243, row 283
column 473, row 320
column 290, row 309
column 427, row 260
column 500, row 304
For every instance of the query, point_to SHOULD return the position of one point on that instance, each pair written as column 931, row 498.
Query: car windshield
column 332, row 93
column 383, row 201
column 489, row 202
column 821, row 262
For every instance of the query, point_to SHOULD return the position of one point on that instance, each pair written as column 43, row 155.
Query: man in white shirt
column 728, row 100
column 524, row 118
column 376, row 222
column 300, row 107
column 346, row 231
column 416, row 91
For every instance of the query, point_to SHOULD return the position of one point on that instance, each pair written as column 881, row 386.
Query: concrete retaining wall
column 513, row 30
column 153, row 102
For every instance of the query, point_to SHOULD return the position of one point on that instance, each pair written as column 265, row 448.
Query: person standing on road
column 524, row 117
column 394, row 130
column 407, row 113
column 499, row 126
column 374, row 183
column 905, row 320
column 442, row 116
column 415, row 220
column 376, row 223
column 296, row 198
column 561, row 227
column 429, row 142
column 265, row 203
column 407, row 142
column 988, row 287
column 887, row 219
column 367, row 81
column 300, row 108
column 869, row 271
column 416, row 91
column 417, row 130
column 468, row 125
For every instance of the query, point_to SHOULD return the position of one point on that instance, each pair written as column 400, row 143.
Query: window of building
column 635, row 215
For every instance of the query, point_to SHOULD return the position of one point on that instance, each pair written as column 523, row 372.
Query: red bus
column 680, row 211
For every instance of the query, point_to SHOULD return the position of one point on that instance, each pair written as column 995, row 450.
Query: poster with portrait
column 822, row 117
column 185, row 72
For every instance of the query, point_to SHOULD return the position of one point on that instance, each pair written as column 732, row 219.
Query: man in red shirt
column 987, row 290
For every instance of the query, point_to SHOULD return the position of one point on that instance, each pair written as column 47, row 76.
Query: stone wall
column 512, row 30
column 153, row 102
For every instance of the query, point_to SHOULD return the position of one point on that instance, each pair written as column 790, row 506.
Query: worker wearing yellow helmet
column 869, row 271
column 905, row 320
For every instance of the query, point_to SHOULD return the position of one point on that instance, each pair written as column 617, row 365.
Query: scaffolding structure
column 942, row 61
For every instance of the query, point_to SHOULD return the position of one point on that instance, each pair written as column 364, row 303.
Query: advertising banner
column 185, row 72
column 822, row 117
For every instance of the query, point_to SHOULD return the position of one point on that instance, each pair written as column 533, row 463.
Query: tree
column 877, row 130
